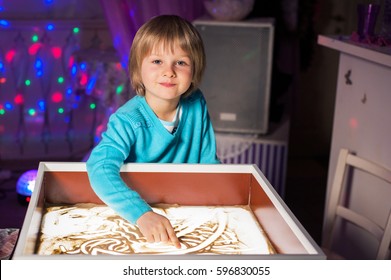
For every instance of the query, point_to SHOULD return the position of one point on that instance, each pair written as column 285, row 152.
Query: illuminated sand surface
column 96, row 229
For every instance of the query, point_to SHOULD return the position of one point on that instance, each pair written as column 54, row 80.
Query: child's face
column 166, row 73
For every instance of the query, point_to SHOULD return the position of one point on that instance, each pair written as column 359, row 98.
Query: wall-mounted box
column 173, row 184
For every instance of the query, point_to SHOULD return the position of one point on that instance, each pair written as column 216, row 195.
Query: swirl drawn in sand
column 92, row 230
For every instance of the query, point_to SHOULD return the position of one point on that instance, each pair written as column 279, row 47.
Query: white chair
column 335, row 208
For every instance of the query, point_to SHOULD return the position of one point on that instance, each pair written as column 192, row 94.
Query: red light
column 353, row 122
column 57, row 97
column 56, row 51
column 19, row 99
column 83, row 79
column 3, row 80
column 71, row 61
column 28, row 199
column 9, row 56
column 34, row 48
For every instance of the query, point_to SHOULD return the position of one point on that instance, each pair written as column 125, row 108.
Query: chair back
column 337, row 208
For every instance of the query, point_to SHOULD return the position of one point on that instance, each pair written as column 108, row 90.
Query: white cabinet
column 362, row 123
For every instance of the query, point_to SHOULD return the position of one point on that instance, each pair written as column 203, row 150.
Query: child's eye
column 156, row 61
column 182, row 63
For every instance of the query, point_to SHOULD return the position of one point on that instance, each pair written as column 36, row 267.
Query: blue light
column 1, row 66
column 41, row 105
column 50, row 27
column 38, row 64
column 48, row 1
column 74, row 70
column 83, row 66
column 8, row 106
column 26, row 182
column 4, row 23
column 90, row 85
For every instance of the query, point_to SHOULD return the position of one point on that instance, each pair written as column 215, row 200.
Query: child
column 166, row 122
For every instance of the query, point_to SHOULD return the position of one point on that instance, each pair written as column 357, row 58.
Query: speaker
column 236, row 83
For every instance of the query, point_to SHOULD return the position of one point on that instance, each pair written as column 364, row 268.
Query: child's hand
column 157, row 228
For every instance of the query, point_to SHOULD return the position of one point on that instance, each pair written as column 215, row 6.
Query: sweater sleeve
column 103, row 168
column 208, row 150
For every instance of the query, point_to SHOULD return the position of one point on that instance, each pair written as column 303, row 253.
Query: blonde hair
column 170, row 31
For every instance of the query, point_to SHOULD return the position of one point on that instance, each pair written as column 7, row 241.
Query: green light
column 119, row 89
column 34, row 38
column 60, row 80
column 2, row 111
column 31, row 112
column 60, row 110
column 27, row 82
column 76, row 30
column 92, row 106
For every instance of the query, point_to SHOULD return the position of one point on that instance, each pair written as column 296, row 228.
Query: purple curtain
column 125, row 17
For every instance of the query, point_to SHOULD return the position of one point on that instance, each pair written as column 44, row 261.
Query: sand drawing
column 96, row 229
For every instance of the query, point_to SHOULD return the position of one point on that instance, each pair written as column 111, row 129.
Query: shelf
column 377, row 54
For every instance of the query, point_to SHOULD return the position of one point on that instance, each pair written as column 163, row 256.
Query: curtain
column 125, row 17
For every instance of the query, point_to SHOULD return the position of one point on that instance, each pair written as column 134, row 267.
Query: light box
column 233, row 193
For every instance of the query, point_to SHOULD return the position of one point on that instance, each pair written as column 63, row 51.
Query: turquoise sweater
column 135, row 134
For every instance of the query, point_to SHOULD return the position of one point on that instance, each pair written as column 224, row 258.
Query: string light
column 18, row 100
column 41, row 105
column 83, row 79
column 34, row 48
column 83, row 66
column 34, row 38
column 38, row 66
column 57, row 97
column 8, row 106
column 50, row 27
column 4, row 23
column 72, row 84
column 9, row 56
column 57, row 52
column 119, row 89
column 32, row 112
column 90, row 85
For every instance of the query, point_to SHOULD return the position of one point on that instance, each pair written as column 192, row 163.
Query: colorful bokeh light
column 19, row 99
column 34, row 48
column 9, row 56
column 57, row 97
column 32, row 112
column 35, row 38
column 57, row 52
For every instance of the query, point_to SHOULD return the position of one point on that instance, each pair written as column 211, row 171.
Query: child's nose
column 169, row 72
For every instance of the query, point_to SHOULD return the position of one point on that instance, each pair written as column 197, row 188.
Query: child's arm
column 208, row 150
column 157, row 228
